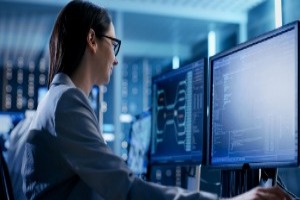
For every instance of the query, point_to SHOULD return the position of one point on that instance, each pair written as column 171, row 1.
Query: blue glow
column 175, row 62
column 211, row 43
column 278, row 13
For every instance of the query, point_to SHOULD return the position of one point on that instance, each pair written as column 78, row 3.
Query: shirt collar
column 61, row 78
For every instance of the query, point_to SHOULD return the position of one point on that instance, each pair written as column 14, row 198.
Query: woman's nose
column 115, row 61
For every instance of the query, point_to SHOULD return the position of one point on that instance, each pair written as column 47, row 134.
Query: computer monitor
column 139, row 142
column 254, row 102
column 178, row 115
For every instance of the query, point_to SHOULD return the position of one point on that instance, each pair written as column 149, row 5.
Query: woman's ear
column 91, row 41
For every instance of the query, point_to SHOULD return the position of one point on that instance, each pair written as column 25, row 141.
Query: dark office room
column 149, row 99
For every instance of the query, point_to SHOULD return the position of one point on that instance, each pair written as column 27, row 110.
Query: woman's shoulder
column 65, row 91
column 69, row 97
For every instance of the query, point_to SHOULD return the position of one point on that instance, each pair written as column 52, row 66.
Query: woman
column 66, row 156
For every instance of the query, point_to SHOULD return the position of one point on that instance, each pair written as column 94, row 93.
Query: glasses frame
column 116, row 46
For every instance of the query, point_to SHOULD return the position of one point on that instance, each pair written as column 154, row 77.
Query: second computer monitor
column 139, row 141
column 254, row 102
column 179, row 114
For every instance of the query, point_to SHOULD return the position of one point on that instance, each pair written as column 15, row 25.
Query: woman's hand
column 260, row 193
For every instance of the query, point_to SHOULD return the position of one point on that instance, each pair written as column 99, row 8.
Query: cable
column 280, row 183
column 286, row 190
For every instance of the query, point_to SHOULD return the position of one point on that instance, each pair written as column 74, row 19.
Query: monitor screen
column 254, row 102
column 179, row 114
column 139, row 141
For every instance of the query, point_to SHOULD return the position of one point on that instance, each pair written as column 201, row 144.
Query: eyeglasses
column 116, row 43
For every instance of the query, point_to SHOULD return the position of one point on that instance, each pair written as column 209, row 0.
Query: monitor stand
column 235, row 182
column 268, row 177
column 193, row 182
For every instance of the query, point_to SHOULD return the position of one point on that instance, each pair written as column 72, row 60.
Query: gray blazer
column 66, row 156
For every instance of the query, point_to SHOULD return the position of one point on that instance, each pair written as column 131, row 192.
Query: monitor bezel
column 259, row 39
column 184, row 162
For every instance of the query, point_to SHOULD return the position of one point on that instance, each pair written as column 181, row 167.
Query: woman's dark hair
column 68, row 39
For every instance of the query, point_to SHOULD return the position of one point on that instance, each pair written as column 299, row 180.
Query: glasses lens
column 116, row 48
column 116, row 43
